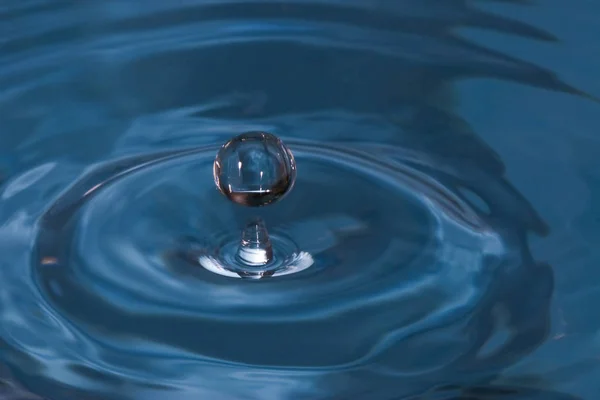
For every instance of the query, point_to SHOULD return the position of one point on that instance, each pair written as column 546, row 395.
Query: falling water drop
column 254, row 169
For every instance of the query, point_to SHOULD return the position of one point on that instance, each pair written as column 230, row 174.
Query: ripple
column 102, row 262
column 106, row 272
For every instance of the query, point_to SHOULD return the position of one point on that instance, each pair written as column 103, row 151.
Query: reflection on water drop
column 254, row 169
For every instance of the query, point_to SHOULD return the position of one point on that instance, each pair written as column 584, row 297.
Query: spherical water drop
column 254, row 169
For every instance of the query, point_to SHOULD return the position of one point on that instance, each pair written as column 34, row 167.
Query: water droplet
column 254, row 169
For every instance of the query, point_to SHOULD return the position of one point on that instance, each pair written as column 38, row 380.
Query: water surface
column 447, row 180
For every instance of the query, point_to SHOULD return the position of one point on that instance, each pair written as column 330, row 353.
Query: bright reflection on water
column 446, row 191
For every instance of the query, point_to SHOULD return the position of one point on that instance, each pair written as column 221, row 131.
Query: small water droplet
column 254, row 169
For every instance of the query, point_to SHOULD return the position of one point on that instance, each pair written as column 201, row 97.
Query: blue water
column 447, row 190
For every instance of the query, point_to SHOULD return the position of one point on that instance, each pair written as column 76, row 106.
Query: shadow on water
column 349, row 71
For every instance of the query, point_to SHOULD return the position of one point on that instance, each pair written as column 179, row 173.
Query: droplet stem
column 255, row 246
